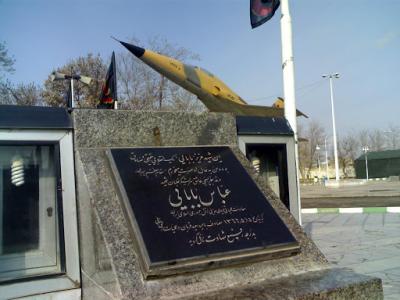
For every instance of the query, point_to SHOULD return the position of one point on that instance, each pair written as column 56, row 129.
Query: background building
column 380, row 164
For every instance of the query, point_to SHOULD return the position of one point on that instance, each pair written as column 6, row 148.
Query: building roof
column 387, row 154
column 34, row 117
column 250, row 125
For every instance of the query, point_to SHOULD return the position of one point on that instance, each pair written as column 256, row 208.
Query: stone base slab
column 330, row 284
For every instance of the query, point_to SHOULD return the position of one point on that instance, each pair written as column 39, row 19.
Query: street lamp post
column 55, row 76
column 365, row 150
column 319, row 164
column 326, row 161
column 331, row 76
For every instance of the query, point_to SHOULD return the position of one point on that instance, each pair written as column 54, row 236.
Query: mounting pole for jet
column 289, row 86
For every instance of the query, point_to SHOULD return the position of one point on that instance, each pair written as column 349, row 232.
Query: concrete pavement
column 352, row 193
column 368, row 243
column 352, row 188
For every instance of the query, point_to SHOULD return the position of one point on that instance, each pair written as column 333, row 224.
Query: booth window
column 30, row 211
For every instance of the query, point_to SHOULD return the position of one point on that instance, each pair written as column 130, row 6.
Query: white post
column 72, row 93
column 326, row 161
column 366, row 149
column 289, row 85
column 319, row 167
column 334, row 133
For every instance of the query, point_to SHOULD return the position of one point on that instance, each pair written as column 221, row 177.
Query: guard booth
column 269, row 144
column 38, row 219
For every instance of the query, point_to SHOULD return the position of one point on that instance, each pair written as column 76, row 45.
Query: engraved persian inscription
column 196, row 202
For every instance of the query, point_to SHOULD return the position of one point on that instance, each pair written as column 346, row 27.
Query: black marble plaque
column 195, row 203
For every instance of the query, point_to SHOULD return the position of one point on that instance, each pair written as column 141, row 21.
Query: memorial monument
column 169, row 208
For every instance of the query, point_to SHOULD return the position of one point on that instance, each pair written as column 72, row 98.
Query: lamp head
column 57, row 76
column 335, row 75
column 85, row 79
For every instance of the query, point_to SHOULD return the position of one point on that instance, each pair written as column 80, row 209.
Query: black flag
column 108, row 97
column 262, row 10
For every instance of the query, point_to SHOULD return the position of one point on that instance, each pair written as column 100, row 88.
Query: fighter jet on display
column 210, row 90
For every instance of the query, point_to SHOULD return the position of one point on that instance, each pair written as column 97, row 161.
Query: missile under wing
column 214, row 93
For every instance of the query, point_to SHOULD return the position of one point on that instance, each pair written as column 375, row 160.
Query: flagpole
column 289, row 86
column 115, row 80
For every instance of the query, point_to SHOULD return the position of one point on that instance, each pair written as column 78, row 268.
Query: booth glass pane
column 29, row 239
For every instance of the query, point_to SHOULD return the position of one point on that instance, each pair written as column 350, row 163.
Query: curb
column 350, row 210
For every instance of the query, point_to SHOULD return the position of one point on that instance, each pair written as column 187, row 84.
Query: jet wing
column 222, row 105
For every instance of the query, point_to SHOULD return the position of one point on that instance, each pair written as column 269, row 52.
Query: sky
column 360, row 39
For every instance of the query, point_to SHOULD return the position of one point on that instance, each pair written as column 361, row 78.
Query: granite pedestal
column 109, row 259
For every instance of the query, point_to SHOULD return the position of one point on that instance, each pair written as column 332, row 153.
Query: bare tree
column 6, row 61
column 140, row 87
column 86, row 95
column 314, row 133
column 363, row 138
column 5, row 92
column 22, row 94
column 348, row 148
column 376, row 140
column 392, row 136
column 6, row 66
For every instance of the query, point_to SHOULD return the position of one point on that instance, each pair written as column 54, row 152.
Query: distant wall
column 378, row 168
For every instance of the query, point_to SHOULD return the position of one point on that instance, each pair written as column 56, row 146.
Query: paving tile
column 394, row 271
column 355, row 219
column 326, row 218
column 374, row 220
column 307, row 218
column 392, row 219
column 340, row 220
column 367, row 243
column 391, row 290
column 392, row 297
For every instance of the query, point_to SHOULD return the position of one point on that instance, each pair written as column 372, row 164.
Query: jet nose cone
column 137, row 51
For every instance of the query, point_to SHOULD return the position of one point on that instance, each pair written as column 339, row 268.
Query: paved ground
column 342, row 202
column 352, row 193
column 367, row 243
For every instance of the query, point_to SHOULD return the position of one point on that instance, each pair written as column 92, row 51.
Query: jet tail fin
column 280, row 103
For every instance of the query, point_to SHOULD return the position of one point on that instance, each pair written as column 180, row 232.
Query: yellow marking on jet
column 210, row 90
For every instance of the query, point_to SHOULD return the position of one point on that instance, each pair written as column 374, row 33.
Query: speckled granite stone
column 332, row 284
column 111, row 128
column 94, row 133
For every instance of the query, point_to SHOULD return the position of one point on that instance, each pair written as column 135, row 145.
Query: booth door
column 270, row 161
